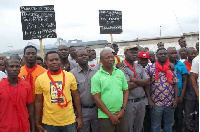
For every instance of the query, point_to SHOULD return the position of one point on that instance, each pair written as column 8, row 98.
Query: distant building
column 98, row 45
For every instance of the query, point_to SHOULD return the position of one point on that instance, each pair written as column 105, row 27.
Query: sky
column 79, row 19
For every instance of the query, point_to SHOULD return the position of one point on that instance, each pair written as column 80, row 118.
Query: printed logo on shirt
column 23, row 76
column 53, row 92
column 117, row 76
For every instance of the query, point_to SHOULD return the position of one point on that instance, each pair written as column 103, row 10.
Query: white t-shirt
column 92, row 63
column 2, row 75
column 195, row 67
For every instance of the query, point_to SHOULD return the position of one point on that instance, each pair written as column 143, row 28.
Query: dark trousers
column 147, row 120
column 178, row 116
column 107, row 126
column 190, row 116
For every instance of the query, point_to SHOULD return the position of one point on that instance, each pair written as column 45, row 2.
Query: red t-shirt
column 13, row 111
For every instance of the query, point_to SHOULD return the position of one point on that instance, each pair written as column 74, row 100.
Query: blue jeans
column 156, row 117
column 67, row 128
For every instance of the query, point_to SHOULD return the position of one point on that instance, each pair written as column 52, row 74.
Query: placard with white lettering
column 110, row 21
column 38, row 22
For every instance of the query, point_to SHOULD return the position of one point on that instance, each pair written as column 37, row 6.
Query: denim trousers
column 67, row 128
column 156, row 117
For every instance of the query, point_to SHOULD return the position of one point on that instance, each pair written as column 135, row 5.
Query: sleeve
column 184, row 70
column 195, row 66
column 125, row 73
column 73, row 85
column 145, row 75
column 95, row 85
column 38, row 88
column 124, row 82
column 175, row 77
column 29, row 95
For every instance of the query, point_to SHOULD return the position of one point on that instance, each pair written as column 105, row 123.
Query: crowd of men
column 73, row 91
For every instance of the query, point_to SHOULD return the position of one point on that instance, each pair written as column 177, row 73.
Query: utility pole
column 160, row 31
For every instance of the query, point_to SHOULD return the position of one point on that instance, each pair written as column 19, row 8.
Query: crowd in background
column 71, row 90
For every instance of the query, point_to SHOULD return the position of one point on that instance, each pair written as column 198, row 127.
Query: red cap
column 144, row 55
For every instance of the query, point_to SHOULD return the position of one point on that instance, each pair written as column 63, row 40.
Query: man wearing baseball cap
column 143, row 58
column 137, row 78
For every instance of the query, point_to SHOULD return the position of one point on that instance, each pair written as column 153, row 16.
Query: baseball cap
column 130, row 48
column 144, row 55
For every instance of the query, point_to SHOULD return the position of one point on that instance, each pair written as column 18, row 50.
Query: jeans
column 156, row 117
column 67, row 128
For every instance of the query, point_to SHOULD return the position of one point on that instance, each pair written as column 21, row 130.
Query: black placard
column 110, row 21
column 38, row 22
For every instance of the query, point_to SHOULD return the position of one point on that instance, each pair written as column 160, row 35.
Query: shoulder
column 196, row 60
column 22, row 70
column 179, row 63
column 2, row 74
column 138, row 65
column 68, row 74
column 24, row 83
column 41, row 68
column 42, row 76
column 94, row 69
column 74, row 70
column 97, row 75
column 119, row 71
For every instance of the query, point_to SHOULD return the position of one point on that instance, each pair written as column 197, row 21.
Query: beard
column 63, row 57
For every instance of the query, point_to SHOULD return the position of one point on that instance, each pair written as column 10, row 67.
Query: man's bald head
column 102, row 53
column 170, row 48
column 63, row 51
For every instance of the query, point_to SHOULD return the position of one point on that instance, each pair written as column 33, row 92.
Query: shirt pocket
column 81, row 85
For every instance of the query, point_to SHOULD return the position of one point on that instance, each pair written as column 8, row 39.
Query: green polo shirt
column 111, row 88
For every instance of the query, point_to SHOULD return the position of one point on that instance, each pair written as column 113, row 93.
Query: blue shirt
column 180, row 71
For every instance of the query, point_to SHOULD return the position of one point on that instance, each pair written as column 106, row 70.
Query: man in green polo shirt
column 110, row 91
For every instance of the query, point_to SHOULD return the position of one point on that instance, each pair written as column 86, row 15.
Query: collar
column 79, row 69
column 134, row 64
column 7, row 82
column 102, row 70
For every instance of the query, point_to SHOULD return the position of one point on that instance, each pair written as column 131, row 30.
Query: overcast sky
column 79, row 19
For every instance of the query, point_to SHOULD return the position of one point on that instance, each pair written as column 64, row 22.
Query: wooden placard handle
column 111, row 38
column 41, row 50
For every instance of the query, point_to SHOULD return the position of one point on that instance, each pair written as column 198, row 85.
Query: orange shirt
column 38, row 71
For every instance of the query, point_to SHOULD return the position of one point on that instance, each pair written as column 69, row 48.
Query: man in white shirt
column 194, row 78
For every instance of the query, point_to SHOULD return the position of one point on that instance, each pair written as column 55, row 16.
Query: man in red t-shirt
column 16, row 103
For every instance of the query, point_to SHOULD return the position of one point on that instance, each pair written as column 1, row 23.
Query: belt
column 137, row 99
column 91, row 106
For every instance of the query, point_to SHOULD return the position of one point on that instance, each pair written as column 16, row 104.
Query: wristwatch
column 124, row 108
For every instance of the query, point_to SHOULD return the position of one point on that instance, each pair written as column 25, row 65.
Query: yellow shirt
column 116, row 60
column 52, row 113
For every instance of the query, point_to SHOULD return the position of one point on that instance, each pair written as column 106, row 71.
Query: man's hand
column 174, row 102
column 120, row 113
column 40, row 128
column 114, row 119
column 151, row 104
column 180, row 99
column 79, row 122
column 133, row 79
